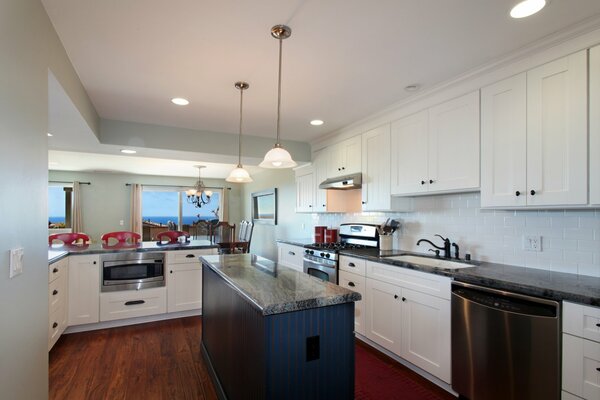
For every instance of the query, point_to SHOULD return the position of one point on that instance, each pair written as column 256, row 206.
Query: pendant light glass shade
column 239, row 174
column 278, row 157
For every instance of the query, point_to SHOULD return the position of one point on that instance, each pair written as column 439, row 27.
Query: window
column 166, row 208
column 59, row 206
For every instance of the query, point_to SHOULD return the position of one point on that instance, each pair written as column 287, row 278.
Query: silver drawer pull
column 351, row 265
column 291, row 253
column 134, row 302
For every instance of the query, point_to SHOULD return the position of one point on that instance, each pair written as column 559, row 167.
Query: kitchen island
column 270, row 332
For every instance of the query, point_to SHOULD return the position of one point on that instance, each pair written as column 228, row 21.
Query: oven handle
column 110, row 264
column 318, row 263
column 110, row 282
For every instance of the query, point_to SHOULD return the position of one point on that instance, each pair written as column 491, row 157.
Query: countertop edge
column 296, row 242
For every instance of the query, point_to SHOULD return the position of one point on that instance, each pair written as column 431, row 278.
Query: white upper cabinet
column 557, row 132
column 320, row 162
column 504, row 143
column 595, row 125
column 305, row 189
column 454, row 144
column 534, row 137
column 376, row 169
column 344, row 157
column 409, row 154
column 437, row 150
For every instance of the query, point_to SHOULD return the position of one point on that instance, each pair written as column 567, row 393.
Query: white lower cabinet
column 57, row 300
column 132, row 303
column 356, row 283
column 184, row 279
column 290, row 256
column 412, row 323
column 84, row 289
column 581, row 352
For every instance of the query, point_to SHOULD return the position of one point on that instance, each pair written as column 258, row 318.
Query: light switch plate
column 16, row 262
column 532, row 243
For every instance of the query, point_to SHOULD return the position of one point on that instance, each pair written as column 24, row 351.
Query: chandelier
column 199, row 196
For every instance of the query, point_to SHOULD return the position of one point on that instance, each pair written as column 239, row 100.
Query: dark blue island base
column 301, row 354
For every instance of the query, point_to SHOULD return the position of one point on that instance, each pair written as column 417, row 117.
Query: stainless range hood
column 346, row 182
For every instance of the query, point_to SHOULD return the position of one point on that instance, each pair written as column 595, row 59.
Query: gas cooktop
column 335, row 246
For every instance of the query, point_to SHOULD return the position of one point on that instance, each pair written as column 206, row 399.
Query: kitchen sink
column 431, row 262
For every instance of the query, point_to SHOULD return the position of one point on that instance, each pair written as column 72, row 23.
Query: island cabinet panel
column 302, row 354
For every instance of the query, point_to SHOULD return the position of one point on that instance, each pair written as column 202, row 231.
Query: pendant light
column 278, row 157
column 239, row 174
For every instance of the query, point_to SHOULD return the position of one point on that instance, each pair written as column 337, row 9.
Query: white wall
column 29, row 48
column 106, row 201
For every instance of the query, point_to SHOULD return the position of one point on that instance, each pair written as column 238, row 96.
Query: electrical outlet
column 121, row 222
column 532, row 243
column 303, row 226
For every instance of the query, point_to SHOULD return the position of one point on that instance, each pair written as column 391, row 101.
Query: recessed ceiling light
column 316, row 122
column 128, row 151
column 527, row 8
column 49, row 134
column 412, row 88
column 180, row 101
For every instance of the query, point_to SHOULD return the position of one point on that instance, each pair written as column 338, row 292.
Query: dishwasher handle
column 506, row 301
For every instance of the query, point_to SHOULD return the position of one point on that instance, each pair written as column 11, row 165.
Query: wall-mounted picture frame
column 264, row 207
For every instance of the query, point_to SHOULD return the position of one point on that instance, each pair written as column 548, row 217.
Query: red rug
column 378, row 379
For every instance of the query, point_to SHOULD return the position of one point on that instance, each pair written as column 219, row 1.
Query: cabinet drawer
column 55, row 326
column 582, row 321
column 354, row 265
column 57, row 269
column 132, row 303
column 581, row 367
column 435, row 285
column 291, row 255
column 186, row 256
column 57, row 294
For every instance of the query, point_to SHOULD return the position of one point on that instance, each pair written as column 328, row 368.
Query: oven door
column 132, row 274
column 325, row 269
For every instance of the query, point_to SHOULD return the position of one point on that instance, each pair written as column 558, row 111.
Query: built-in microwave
column 132, row 271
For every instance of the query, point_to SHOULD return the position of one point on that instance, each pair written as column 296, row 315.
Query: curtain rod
column 81, row 183
column 180, row 186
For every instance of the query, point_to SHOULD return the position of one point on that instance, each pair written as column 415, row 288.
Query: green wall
column 106, row 201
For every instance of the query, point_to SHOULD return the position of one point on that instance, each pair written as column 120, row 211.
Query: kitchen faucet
column 446, row 247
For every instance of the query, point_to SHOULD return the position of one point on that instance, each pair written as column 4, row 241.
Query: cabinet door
column 383, row 314
column 426, row 332
column 454, row 144
column 357, row 284
column 557, row 132
column 376, row 169
column 595, row 125
column 304, row 193
column 409, row 154
column 84, row 289
column 352, row 155
column 184, row 287
column 320, row 174
column 503, row 143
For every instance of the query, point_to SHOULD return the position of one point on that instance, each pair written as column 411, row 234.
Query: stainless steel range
column 321, row 259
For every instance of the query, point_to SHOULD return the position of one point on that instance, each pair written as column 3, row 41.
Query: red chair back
column 172, row 236
column 68, row 238
column 121, row 237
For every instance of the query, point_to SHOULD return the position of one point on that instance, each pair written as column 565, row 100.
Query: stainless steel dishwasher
column 504, row 345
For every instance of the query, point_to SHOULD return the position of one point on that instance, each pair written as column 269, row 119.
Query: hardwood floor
column 157, row 360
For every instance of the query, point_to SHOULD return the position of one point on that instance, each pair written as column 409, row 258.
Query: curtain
column 76, row 217
column 135, row 210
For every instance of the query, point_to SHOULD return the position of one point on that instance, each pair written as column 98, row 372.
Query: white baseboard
column 131, row 321
column 408, row 365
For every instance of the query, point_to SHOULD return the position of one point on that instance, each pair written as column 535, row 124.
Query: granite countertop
column 530, row 281
column 297, row 242
column 138, row 247
column 273, row 288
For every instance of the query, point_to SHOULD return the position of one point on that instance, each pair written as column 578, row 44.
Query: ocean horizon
column 187, row 220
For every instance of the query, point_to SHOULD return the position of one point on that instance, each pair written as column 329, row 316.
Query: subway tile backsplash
column 570, row 238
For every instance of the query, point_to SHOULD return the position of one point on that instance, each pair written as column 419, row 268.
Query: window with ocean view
column 59, row 206
column 164, row 207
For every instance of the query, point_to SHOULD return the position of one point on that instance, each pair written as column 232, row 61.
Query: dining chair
column 172, row 236
column 244, row 237
column 121, row 237
column 223, row 234
column 68, row 238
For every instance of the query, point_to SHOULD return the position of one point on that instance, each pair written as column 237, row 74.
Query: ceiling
column 345, row 60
